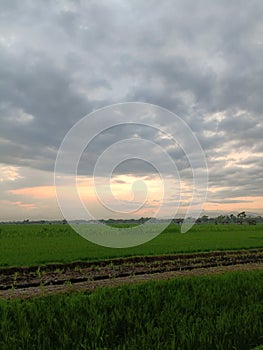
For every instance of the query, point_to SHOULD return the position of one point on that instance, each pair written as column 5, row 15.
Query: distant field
column 22, row 245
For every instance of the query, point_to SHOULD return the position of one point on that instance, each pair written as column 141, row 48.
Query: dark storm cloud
column 41, row 90
column 202, row 60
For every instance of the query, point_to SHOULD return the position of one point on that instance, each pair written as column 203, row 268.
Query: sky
column 61, row 60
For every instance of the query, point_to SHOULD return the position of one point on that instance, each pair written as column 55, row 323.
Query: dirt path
column 87, row 276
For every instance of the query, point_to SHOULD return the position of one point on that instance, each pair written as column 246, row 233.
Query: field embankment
column 53, row 278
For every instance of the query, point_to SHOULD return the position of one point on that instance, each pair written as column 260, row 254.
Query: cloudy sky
column 61, row 60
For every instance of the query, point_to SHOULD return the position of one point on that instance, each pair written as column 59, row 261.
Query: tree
column 241, row 217
column 233, row 218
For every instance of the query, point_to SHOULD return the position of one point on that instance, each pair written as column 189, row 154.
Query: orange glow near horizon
column 18, row 204
column 29, row 198
column 38, row 192
column 245, row 204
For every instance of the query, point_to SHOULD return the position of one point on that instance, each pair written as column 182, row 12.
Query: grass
column 24, row 245
column 202, row 313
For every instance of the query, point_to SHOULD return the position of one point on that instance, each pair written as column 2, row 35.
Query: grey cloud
column 62, row 60
column 119, row 181
column 229, row 201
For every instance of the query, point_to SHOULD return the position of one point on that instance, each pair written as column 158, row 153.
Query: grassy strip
column 217, row 312
column 39, row 244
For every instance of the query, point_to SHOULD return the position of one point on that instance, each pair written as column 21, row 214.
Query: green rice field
column 222, row 312
column 199, row 313
column 24, row 245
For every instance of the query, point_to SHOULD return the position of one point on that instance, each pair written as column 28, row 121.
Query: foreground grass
column 217, row 312
column 40, row 244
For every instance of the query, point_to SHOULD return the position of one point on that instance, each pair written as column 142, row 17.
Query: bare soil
column 25, row 282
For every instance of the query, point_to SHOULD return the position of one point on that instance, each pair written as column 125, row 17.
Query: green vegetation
column 217, row 312
column 41, row 244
